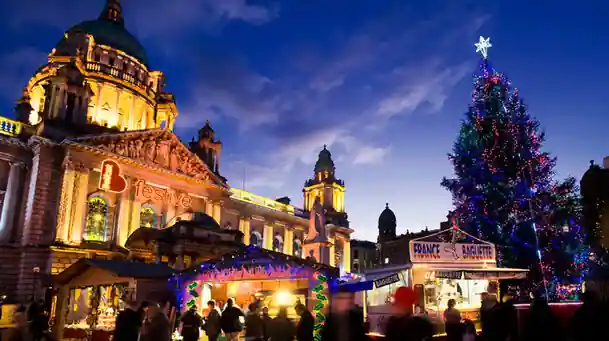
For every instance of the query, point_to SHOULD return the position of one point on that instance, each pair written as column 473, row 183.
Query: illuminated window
column 256, row 239
column 278, row 244
column 297, row 248
column 147, row 217
column 96, row 228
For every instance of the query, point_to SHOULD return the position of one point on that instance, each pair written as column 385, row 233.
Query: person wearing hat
column 403, row 326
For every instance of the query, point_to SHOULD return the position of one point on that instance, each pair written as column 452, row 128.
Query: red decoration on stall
column 404, row 297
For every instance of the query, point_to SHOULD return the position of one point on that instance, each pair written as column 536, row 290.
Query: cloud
column 429, row 83
column 338, row 97
column 147, row 18
column 370, row 155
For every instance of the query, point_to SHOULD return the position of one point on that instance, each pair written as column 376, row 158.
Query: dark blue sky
column 383, row 83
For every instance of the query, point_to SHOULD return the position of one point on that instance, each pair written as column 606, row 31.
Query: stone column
column 80, row 207
column 347, row 255
column 332, row 251
column 119, row 123
column 244, row 227
column 217, row 212
column 267, row 236
column 65, row 206
column 288, row 241
column 131, row 122
column 100, row 90
column 136, row 210
column 11, row 200
column 209, row 208
column 122, row 226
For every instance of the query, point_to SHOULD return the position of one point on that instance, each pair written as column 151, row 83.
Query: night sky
column 383, row 83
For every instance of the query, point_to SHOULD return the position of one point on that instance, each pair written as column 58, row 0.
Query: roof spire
column 113, row 11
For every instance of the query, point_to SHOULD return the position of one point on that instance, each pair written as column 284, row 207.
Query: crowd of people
column 499, row 321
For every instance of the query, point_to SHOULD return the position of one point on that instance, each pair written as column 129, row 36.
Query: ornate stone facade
column 92, row 159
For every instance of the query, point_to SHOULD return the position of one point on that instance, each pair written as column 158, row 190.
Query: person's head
column 451, row 303
column 342, row 300
column 253, row 307
column 418, row 309
column 265, row 311
column 300, row 309
column 283, row 312
column 469, row 327
column 144, row 306
column 211, row 304
column 229, row 302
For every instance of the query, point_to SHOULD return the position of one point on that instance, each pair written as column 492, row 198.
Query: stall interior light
column 283, row 298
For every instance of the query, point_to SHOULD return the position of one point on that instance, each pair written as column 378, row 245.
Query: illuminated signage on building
column 110, row 178
column 165, row 195
column 450, row 252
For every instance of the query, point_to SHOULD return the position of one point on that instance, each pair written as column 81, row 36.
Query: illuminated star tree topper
column 483, row 45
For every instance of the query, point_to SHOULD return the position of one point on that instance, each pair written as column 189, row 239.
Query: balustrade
column 118, row 73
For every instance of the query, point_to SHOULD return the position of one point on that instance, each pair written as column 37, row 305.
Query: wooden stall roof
column 121, row 268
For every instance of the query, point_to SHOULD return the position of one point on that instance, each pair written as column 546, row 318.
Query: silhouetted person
column 267, row 322
column 213, row 323
column 253, row 324
column 541, row 324
column 191, row 323
column 452, row 321
column 469, row 332
column 304, row 330
column 283, row 329
column 128, row 323
column 404, row 326
column 343, row 323
column 231, row 324
column 590, row 322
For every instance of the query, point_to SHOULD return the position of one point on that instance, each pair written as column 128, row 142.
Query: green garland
column 192, row 290
column 318, row 310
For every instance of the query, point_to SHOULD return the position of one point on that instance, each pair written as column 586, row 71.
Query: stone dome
column 387, row 218
column 109, row 29
column 324, row 161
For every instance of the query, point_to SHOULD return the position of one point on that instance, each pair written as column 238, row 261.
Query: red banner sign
column 111, row 179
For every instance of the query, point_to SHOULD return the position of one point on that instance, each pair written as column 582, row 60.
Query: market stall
column 254, row 275
column 90, row 293
column 450, row 264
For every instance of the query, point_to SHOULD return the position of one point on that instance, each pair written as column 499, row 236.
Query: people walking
column 304, row 330
column 128, row 322
column 190, row 324
column 452, row 321
column 231, row 321
column 267, row 322
column 213, row 323
column 283, row 329
column 404, row 326
column 343, row 323
column 253, row 324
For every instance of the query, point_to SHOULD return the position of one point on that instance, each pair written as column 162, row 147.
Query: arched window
column 297, row 248
column 147, row 217
column 256, row 239
column 278, row 243
column 96, row 228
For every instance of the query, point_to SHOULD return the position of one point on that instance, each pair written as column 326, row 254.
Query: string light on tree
column 504, row 186
column 319, row 294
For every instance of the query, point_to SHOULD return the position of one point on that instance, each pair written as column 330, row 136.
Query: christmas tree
column 503, row 189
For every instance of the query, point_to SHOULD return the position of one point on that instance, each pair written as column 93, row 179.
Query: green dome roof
column 112, row 34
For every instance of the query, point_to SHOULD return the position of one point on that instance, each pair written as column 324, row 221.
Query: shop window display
column 94, row 307
column 384, row 295
column 147, row 217
column 97, row 220
column 465, row 292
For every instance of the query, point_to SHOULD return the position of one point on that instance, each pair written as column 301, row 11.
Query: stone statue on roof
column 317, row 223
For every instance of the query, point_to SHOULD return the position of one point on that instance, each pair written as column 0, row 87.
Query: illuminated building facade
column 92, row 158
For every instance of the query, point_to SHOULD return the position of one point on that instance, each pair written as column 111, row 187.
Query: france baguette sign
column 429, row 252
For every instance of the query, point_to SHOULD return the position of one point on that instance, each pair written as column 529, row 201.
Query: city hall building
column 92, row 159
